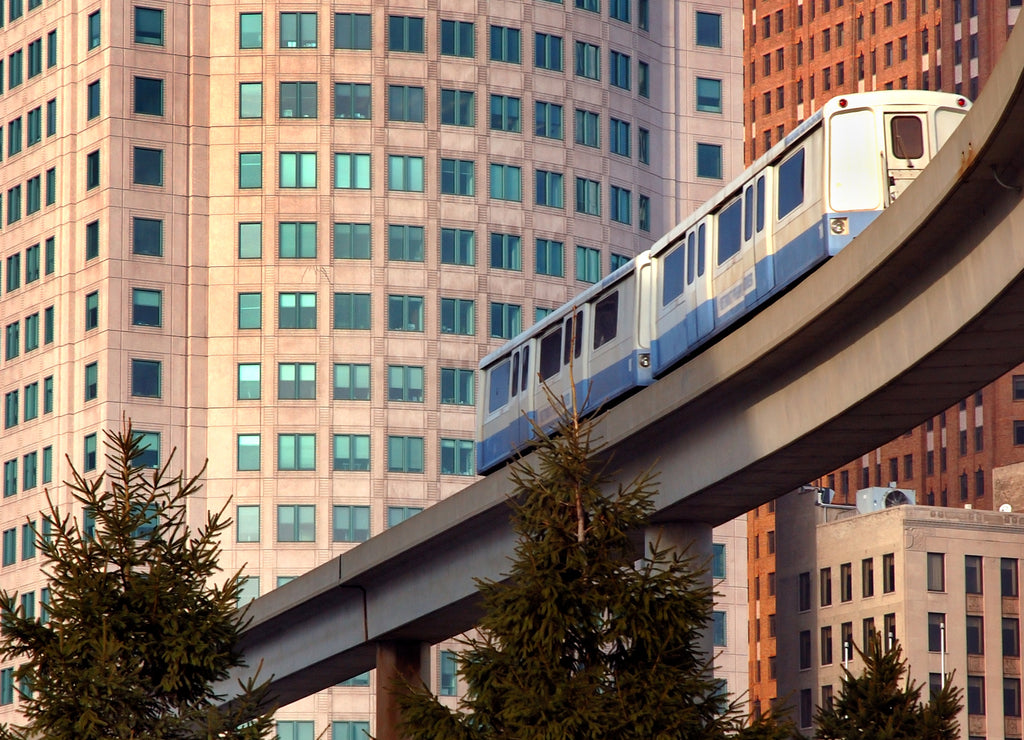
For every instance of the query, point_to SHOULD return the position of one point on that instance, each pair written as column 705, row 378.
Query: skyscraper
column 280, row 236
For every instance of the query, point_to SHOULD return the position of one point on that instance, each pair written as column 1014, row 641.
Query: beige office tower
column 280, row 237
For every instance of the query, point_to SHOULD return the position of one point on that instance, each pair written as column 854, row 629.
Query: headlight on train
column 839, row 226
column 645, row 359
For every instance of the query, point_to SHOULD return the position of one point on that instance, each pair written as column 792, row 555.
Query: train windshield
column 907, row 137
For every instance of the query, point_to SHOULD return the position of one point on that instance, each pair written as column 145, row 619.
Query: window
column 506, row 182
column 505, row 44
column 250, row 31
column 405, row 33
column 351, row 241
column 296, row 311
column 621, row 205
column 352, row 31
column 709, row 160
column 457, row 176
column 709, row 29
column 547, row 52
column 28, row 540
column 297, row 240
column 643, row 145
column 618, row 70
column 825, row 586
column 619, row 137
column 145, row 378
column 804, row 592
column 549, row 189
column 975, row 635
column 718, row 631
column 398, row 514
column 48, row 395
column 89, row 452
column 352, row 100
column 147, row 166
column 298, row 169
column 587, row 128
column 643, row 79
column 888, row 573
column 92, row 100
column 405, row 313
column 149, row 96
column 351, row 382
column 405, row 455
column 351, row 452
column 31, row 402
column 10, row 488
column 250, row 311
column 249, row 381
column 92, row 310
column 972, row 574
column 505, row 113
column 548, row 120
column 936, row 632
column 449, row 669
column 588, row 62
column 1008, row 577
column 1011, row 697
column 352, row 171
column 457, row 38
column 457, row 386
column 588, row 196
column 506, row 320
column 936, row 571
column 147, row 236
column 351, row 523
column 296, row 523
column 588, row 264
column 12, row 341
column 405, row 103
column 506, row 252
column 33, row 196
column 458, row 246
column 405, row 173
column 296, row 380
column 405, row 243
column 296, row 452
column 250, row 170
column 457, row 316
column 298, row 100
column 350, row 729
column 643, row 15
column 405, row 383
column 248, row 452
column 549, row 258
column 249, row 589
column 146, row 307
column 247, row 523
column 845, row 582
column 867, row 577
column 1011, row 637
column 92, row 240
column 805, row 649
column 457, row 457
column 149, row 26
column 93, row 31
column 298, row 31
column 975, row 694
column 709, row 95
column 352, row 311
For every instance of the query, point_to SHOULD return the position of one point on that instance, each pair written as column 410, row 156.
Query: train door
column 560, row 362
column 764, row 277
column 698, row 282
column 906, row 150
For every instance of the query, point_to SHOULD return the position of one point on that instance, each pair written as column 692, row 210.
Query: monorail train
column 796, row 206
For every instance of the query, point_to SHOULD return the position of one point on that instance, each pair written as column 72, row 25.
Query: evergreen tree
column 883, row 703
column 134, row 634
column 581, row 641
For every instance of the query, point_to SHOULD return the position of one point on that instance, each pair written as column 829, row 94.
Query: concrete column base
column 397, row 661
column 680, row 535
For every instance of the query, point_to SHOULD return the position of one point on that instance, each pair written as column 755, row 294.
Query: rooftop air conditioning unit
column 879, row 497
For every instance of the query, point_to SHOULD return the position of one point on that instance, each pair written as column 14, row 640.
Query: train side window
column 578, row 341
column 791, row 184
column 606, row 319
column 550, row 354
column 498, row 390
column 691, row 257
column 672, row 275
column 700, row 251
column 729, row 231
column 515, row 374
column 907, row 137
column 760, row 204
column 748, row 213
column 526, row 366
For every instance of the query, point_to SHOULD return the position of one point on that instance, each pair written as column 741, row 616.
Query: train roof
column 560, row 313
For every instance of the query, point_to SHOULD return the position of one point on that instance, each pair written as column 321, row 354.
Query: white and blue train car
column 795, row 207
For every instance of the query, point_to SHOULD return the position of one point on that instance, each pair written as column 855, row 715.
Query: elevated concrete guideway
column 925, row 307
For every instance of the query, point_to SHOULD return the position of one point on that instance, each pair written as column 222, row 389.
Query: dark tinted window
column 499, row 386
column 550, row 347
column 606, row 318
column 729, row 232
column 907, row 137
column 672, row 275
column 791, row 184
column 760, row 204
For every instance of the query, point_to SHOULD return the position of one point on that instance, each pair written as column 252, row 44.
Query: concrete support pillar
column 397, row 660
column 680, row 535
